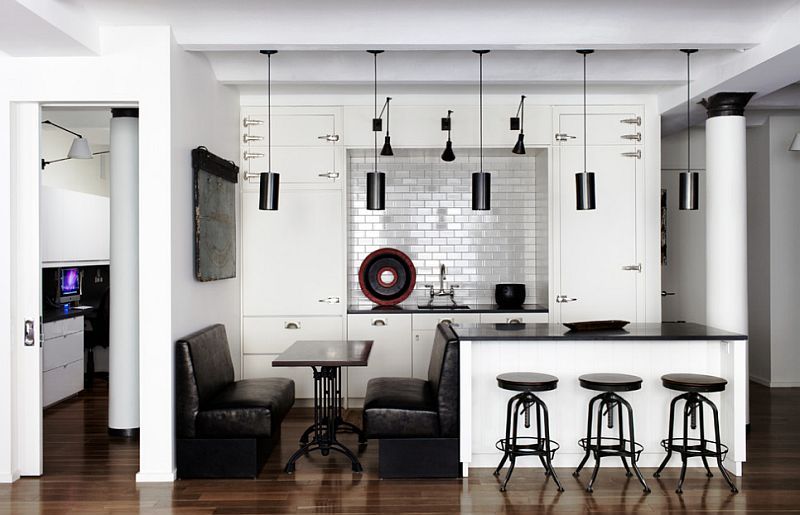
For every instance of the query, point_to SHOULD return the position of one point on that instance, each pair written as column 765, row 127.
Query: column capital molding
column 726, row 104
column 125, row 112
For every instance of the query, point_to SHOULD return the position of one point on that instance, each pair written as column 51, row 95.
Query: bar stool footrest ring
column 530, row 446
column 610, row 446
column 696, row 448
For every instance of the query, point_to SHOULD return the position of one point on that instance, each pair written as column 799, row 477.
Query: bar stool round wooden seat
column 514, row 445
column 694, row 385
column 607, row 402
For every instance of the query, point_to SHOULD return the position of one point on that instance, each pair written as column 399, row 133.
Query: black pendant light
column 518, row 124
column 270, row 181
column 376, row 181
column 481, row 181
column 584, row 181
column 447, row 125
column 689, row 187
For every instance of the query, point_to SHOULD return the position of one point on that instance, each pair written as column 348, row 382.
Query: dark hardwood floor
column 88, row 472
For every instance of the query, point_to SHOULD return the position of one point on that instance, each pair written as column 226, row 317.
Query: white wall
column 685, row 271
column 206, row 113
column 83, row 175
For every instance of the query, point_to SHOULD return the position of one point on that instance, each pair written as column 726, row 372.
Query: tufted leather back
column 443, row 377
column 203, row 367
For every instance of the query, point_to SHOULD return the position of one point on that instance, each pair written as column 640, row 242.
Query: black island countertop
column 358, row 309
column 651, row 331
column 54, row 314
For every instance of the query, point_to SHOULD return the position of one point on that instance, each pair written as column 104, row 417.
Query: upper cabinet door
column 599, row 259
column 289, row 129
column 620, row 127
column 293, row 259
column 297, row 165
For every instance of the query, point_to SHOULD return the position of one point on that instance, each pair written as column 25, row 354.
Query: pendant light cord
column 480, row 94
column 375, row 111
column 269, row 112
column 584, row 113
column 688, row 119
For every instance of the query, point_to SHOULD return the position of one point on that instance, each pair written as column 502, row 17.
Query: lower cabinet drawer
column 273, row 335
column 59, row 383
column 429, row 321
column 257, row 366
column 57, row 352
column 511, row 318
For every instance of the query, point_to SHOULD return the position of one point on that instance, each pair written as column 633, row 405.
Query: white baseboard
column 9, row 478
column 156, row 477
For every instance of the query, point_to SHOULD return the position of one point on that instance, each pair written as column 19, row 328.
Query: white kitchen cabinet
column 273, row 335
column 62, row 359
column 604, row 126
column 74, row 226
column 424, row 332
column 514, row 318
column 293, row 259
column 391, row 349
column 291, row 127
column 318, row 165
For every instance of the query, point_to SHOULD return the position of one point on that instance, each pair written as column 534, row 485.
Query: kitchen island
column 646, row 350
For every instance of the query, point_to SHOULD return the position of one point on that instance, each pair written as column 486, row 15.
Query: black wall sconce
column 377, row 126
column 518, row 124
column 447, row 125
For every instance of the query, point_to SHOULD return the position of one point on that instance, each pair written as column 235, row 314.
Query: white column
column 123, row 355
column 726, row 212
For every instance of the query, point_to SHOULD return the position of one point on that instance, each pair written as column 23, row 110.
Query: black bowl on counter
column 509, row 295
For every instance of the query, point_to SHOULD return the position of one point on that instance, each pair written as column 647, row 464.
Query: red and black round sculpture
column 387, row 276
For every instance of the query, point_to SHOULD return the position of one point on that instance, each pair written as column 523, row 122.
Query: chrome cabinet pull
column 564, row 299
column 513, row 321
column 291, row 325
column 247, row 155
column 251, row 175
column 665, row 293
column 330, row 175
column 379, row 322
column 637, row 154
column 633, row 268
column 247, row 138
column 632, row 121
column 330, row 300
column 329, row 137
column 634, row 137
column 445, row 320
column 560, row 136
column 247, row 122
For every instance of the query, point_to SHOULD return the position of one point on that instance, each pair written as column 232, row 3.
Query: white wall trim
column 156, row 477
column 9, row 478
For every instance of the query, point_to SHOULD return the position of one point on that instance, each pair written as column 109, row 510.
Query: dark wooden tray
column 597, row 325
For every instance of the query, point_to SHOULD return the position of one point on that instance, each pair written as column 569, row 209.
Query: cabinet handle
column 633, row 268
column 560, row 136
column 252, row 155
column 562, row 299
column 252, row 175
column 513, row 321
column 665, row 293
column 291, row 325
column 635, row 137
column 379, row 322
column 247, row 122
column 329, row 137
column 330, row 175
column 330, row 300
column 632, row 121
column 637, row 154
column 446, row 320
column 247, row 138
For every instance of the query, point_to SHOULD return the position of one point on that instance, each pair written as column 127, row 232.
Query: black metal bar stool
column 600, row 446
column 694, row 385
column 513, row 445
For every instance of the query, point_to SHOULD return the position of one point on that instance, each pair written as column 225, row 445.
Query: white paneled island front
column 646, row 350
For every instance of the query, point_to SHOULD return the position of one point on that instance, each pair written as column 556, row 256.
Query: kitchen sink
column 442, row 307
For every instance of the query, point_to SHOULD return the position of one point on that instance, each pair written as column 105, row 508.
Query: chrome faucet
column 441, row 292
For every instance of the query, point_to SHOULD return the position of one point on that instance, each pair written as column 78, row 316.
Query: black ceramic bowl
column 509, row 295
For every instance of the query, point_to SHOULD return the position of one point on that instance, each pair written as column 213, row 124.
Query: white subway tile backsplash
column 429, row 217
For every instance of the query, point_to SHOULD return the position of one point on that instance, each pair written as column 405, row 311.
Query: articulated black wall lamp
column 270, row 182
column 481, row 181
column 689, row 185
column 447, row 125
column 584, row 181
column 377, row 124
column 376, row 181
column 518, row 124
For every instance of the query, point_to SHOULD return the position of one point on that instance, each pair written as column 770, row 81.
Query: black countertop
column 357, row 309
column 668, row 331
column 53, row 314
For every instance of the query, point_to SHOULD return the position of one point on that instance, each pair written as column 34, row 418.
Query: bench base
column 222, row 457
column 418, row 458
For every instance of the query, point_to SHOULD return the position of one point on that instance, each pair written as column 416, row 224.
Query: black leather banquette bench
column 224, row 428
column 416, row 420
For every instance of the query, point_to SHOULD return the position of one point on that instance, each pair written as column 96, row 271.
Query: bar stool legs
column 694, row 447
column 600, row 446
column 539, row 445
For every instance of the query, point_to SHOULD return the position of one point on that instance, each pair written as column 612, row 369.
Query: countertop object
column 325, row 353
column 509, row 295
column 652, row 331
column 53, row 314
column 355, row 309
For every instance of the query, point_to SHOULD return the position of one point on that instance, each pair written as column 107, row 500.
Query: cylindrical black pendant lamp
column 376, row 191
column 269, row 181
column 481, row 181
column 689, row 187
column 376, row 181
column 448, row 154
column 585, row 198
